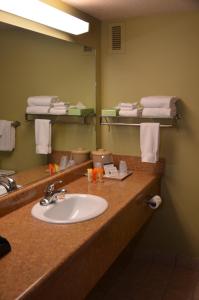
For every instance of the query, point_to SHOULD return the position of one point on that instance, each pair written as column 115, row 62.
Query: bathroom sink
column 73, row 208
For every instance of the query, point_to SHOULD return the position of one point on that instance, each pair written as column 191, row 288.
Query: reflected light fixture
column 40, row 12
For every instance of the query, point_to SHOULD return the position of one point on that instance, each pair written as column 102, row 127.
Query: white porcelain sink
column 73, row 208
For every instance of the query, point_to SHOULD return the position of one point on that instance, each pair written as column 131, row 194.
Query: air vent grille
column 116, row 38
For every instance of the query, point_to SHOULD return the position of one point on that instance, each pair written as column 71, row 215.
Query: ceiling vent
column 116, row 38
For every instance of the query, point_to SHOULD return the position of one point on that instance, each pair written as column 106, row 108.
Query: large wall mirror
column 34, row 64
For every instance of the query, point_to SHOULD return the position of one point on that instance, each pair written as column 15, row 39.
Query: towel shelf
column 133, row 121
column 68, row 119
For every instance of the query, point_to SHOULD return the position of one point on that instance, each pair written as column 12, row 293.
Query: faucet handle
column 51, row 187
column 8, row 182
column 12, row 183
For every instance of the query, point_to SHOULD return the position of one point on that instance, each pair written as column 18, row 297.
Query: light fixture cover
column 45, row 14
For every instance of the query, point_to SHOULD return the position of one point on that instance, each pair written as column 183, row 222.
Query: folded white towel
column 43, row 136
column 159, row 101
column 159, row 112
column 61, row 107
column 56, row 111
column 61, row 103
column 37, row 109
column 127, row 106
column 7, row 136
column 129, row 113
column 149, row 142
column 42, row 100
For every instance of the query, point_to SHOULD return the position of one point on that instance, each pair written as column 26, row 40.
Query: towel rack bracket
column 16, row 124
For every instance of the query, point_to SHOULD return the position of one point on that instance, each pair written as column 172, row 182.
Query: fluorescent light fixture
column 45, row 14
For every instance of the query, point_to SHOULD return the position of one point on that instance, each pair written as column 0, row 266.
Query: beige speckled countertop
column 39, row 248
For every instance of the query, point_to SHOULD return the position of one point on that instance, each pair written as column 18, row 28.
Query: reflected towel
column 158, row 112
column 59, row 104
column 149, row 142
column 37, row 109
column 57, row 111
column 43, row 136
column 61, row 107
column 7, row 136
column 159, row 101
column 42, row 100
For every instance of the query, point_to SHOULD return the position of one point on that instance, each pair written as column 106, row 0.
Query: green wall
column 161, row 58
column 34, row 64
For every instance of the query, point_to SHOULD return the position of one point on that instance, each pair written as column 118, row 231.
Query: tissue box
column 111, row 112
column 80, row 111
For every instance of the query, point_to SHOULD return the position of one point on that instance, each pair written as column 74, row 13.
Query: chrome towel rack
column 125, row 121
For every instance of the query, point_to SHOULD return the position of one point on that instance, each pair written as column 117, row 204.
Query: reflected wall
column 34, row 64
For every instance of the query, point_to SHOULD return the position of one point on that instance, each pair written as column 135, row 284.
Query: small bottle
column 90, row 175
column 94, row 174
column 51, row 169
column 100, row 174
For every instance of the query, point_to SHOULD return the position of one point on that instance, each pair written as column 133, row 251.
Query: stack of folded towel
column 59, row 108
column 40, row 104
column 159, row 106
column 128, row 109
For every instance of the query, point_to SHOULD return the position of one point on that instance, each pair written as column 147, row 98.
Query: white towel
column 127, row 106
column 59, row 107
column 7, row 136
column 37, row 109
column 129, row 113
column 159, row 112
column 42, row 100
column 58, row 104
column 43, row 136
column 57, row 111
column 149, row 142
column 159, row 101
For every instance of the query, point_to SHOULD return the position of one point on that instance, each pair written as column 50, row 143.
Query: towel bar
column 130, row 124
column 16, row 123
column 120, row 121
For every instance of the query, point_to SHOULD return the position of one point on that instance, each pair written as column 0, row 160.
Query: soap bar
column 111, row 112
column 80, row 111
column 4, row 246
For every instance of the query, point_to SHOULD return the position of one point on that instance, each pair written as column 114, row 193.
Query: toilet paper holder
column 153, row 201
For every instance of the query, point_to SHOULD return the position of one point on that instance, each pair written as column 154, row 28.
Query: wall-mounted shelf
column 67, row 119
column 136, row 121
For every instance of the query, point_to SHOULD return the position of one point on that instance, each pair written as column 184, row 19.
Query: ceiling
column 117, row 9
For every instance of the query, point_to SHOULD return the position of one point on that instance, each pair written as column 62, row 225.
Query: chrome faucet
column 9, row 183
column 51, row 194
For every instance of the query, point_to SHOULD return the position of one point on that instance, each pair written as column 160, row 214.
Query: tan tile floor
column 145, row 276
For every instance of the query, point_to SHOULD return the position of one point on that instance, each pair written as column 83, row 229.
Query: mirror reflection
column 31, row 65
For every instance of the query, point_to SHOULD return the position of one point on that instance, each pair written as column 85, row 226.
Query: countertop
column 39, row 248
